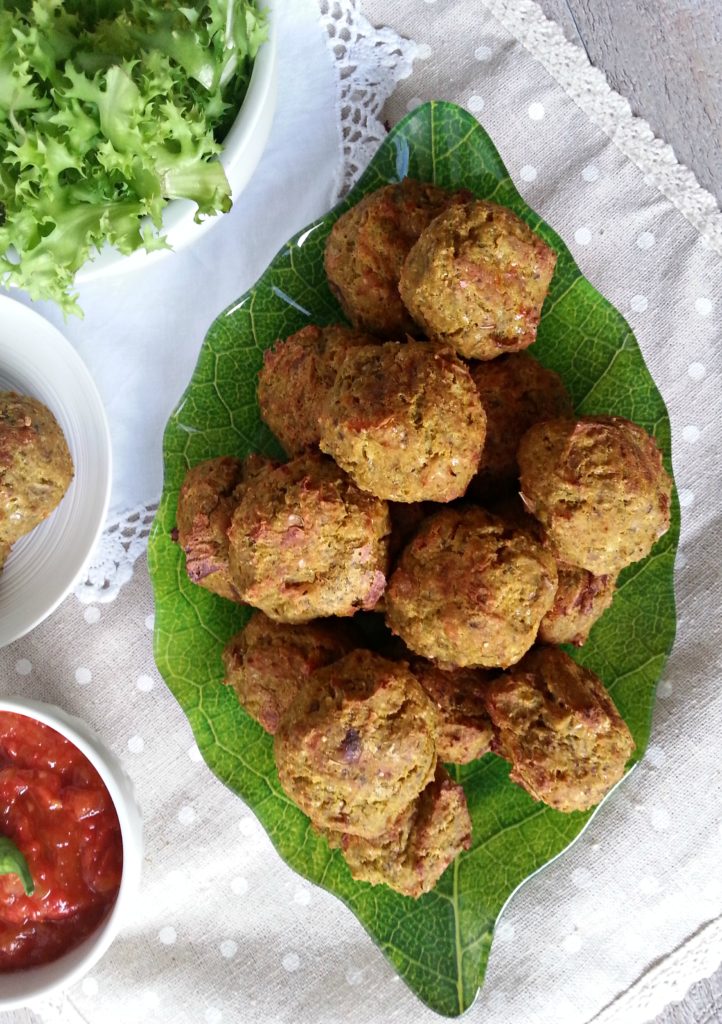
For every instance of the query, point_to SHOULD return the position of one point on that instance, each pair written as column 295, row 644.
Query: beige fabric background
column 224, row 931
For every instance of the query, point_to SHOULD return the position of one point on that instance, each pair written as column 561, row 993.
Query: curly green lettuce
column 108, row 109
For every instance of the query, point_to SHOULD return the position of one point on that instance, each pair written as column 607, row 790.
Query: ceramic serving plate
column 440, row 943
column 36, row 360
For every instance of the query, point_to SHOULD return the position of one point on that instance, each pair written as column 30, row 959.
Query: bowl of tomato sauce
column 70, row 850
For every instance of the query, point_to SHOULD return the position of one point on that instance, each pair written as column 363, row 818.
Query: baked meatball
column 559, row 728
column 209, row 494
column 465, row 731
column 268, row 662
column 516, row 391
column 580, row 600
column 412, row 856
column 306, row 543
column 598, row 487
column 476, row 280
column 357, row 745
column 469, row 590
column 367, row 247
column 405, row 421
column 35, row 465
column 295, row 377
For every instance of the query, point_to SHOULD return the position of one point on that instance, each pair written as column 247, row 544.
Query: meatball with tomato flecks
column 516, row 391
column 306, row 543
column 599, row 489
column 208, row 496
column 465, row 731
column 367, row 247
column 405, row 422
column 557, row 725
column 413, row 855
column 357, row 745
column 295, row 377
column 36, row 467
column 470, row 590
column 581, row 599
column 268, row 662
column 476, row 280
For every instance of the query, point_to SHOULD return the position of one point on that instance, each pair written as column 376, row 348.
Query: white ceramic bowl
column 242, row 150
column 43, row 566
column 19, row 988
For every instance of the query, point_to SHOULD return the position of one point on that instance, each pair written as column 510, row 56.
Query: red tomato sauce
column 56, row 809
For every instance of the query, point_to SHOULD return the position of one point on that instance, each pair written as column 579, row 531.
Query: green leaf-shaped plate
column 440, row 943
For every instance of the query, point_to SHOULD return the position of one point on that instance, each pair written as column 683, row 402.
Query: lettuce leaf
column 109, row 109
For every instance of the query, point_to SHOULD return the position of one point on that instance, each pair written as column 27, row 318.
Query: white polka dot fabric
column 223, row 931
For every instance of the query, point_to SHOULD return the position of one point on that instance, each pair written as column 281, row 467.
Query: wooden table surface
column 665, row 57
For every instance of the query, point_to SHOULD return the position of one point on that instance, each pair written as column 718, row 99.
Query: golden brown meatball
column 306, row 543
column 580, row 600
column 464, row 732
column 405, row 421
column 556, row 723
column 598, row 487
column 470, row 590
column 414, row 854
column 209, row 494
column 295, row 378
column 268, row 662
column 357, row 745
column 35, row 465
column 476, row 280
column 516, row 391
column 367, row 247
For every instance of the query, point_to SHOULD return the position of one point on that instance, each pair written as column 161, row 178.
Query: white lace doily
column 124, row 538
column 369, row 63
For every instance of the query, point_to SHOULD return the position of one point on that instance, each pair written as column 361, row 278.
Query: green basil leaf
column 12, row 862
column 439, row 944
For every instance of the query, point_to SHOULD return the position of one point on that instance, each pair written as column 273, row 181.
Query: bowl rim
column 52, row 345
column 46, row 979
column 260, row 85
column 251, row 123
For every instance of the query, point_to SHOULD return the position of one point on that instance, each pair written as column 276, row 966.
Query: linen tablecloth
column 628, row 917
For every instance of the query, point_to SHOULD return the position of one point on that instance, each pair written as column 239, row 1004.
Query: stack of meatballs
column 438, row 475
